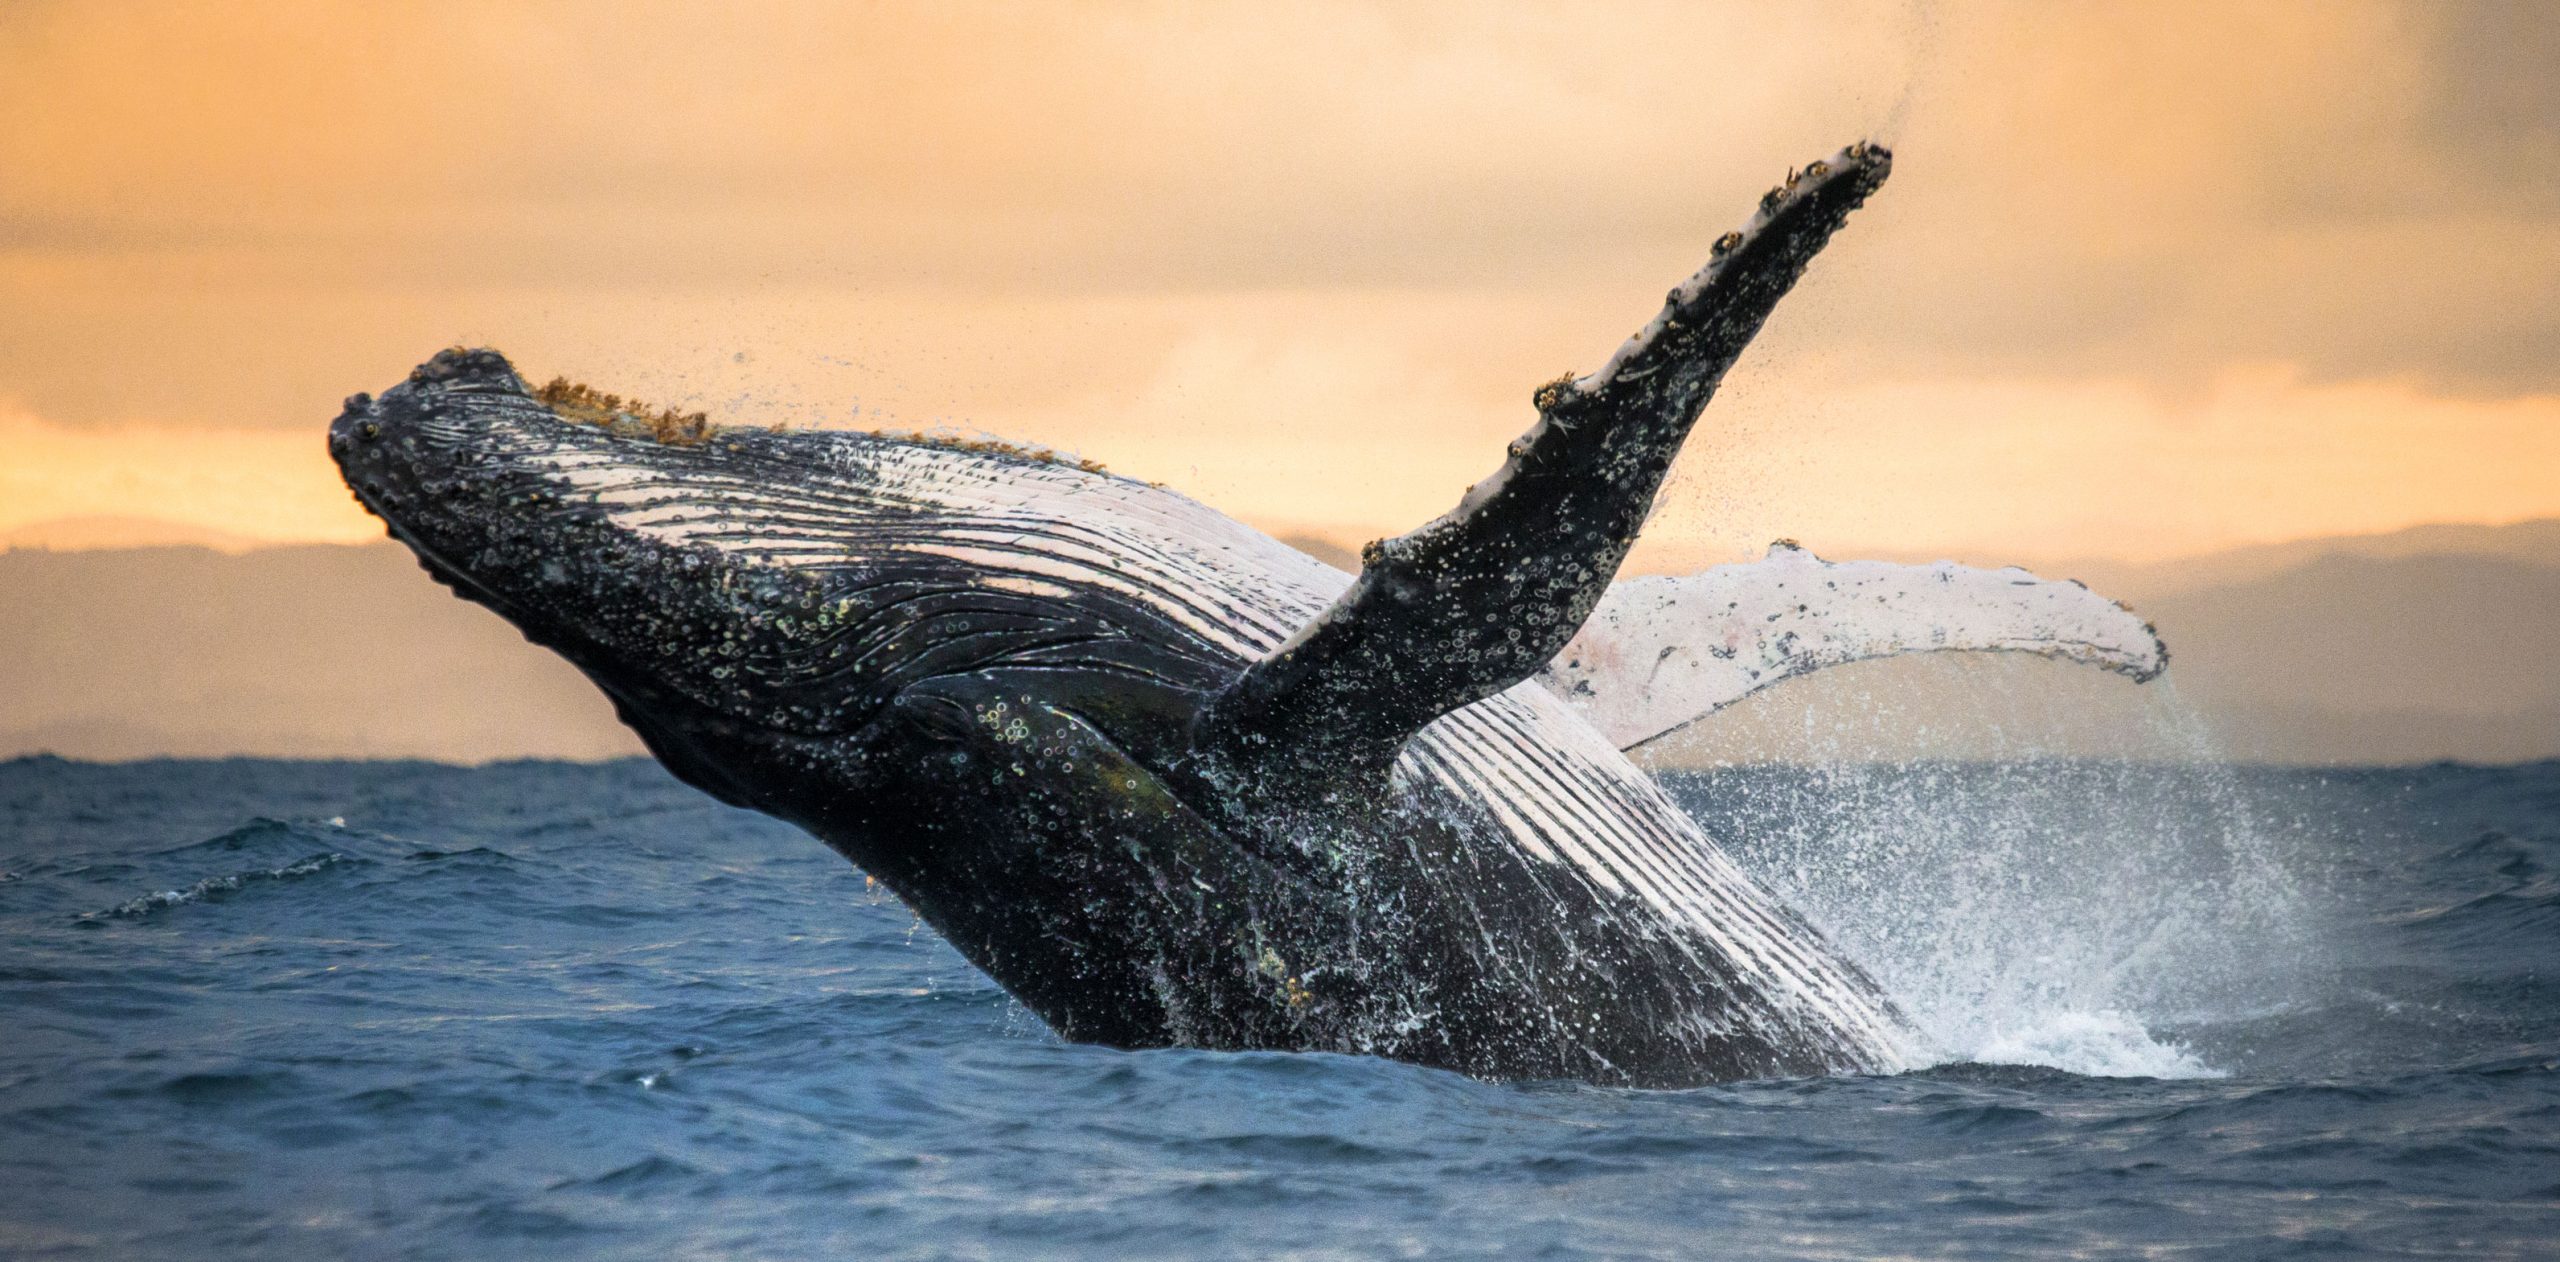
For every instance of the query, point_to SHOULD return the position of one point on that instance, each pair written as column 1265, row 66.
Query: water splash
column 2094, row 1045
column 2025, row 907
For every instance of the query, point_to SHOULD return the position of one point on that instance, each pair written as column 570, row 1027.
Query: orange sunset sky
column 2150, row 279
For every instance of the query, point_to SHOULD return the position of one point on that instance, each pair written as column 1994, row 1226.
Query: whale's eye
column 369, row 431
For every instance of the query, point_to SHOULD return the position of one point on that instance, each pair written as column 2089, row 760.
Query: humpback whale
column 1171, row 782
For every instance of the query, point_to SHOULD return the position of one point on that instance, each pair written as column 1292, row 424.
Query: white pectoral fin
column 1660, row 653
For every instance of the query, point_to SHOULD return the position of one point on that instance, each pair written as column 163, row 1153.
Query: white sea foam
column 2093, row 1044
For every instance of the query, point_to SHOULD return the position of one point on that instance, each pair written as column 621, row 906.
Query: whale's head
column 512, row 499
column 793, row 592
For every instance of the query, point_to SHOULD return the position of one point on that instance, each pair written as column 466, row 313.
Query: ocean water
column 388, row 1010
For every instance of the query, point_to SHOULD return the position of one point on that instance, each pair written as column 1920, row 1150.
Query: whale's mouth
column 443, row 570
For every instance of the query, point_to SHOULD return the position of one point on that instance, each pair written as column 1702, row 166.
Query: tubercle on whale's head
column 411, row 453
column 521, row 499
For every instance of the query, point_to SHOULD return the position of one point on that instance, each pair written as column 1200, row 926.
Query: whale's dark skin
column 1147, row 838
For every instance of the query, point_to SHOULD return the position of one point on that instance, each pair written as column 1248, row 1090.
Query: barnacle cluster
column 586, row 405
column 993, row 447
column 574, row 401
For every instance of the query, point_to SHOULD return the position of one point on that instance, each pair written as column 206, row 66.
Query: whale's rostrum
column 1171, row 782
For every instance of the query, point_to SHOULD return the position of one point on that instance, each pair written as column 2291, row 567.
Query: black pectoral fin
column 1486, row 595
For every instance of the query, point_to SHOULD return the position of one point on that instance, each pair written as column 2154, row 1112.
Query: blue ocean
column 396, row 1010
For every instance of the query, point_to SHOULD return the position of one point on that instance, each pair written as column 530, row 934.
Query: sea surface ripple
column 392, row 1010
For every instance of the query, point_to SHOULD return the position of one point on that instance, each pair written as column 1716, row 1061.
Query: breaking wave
column 214, row 887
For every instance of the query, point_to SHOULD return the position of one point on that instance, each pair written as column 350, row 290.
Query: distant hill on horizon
column 2430, row 643
column 2532, row 542
column 107, row 531
column 316, row 650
